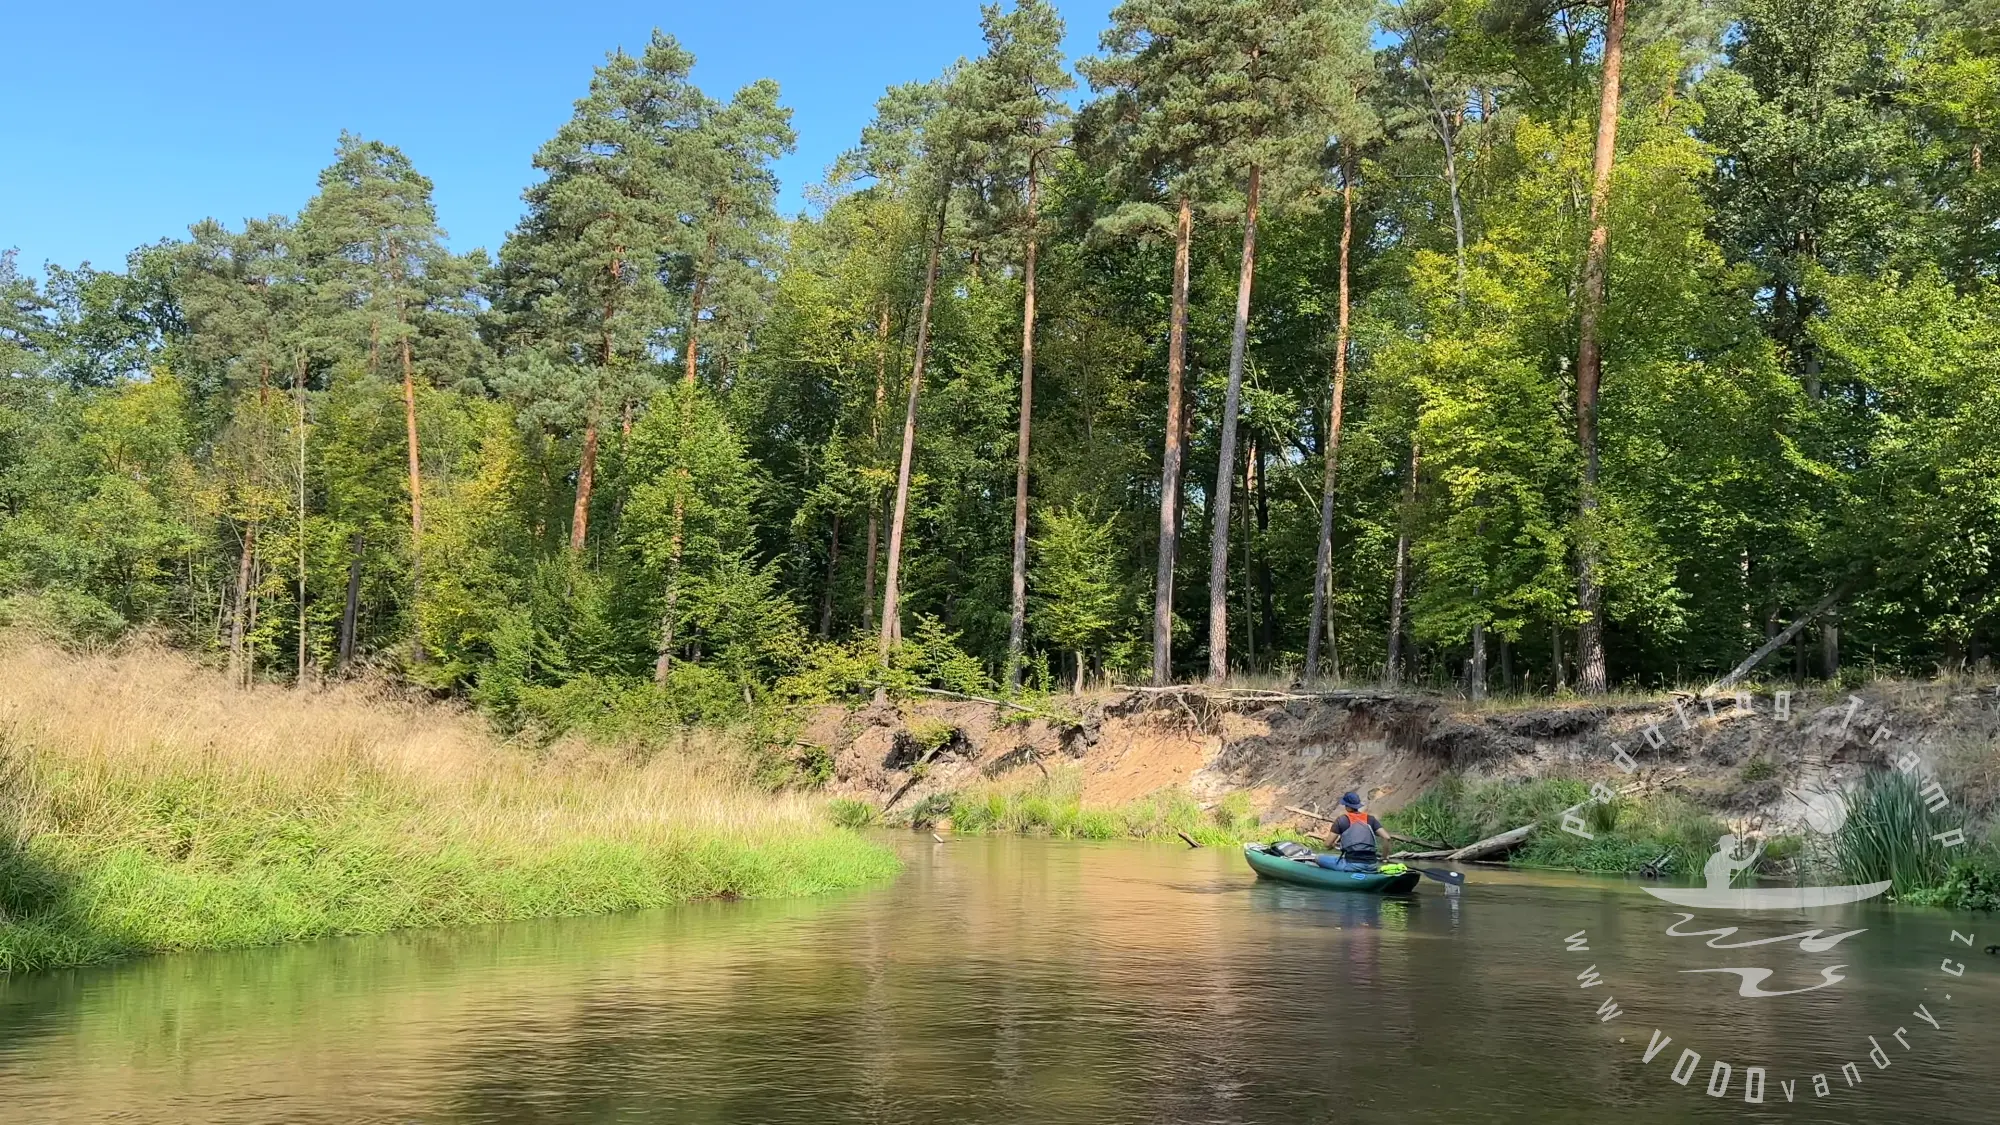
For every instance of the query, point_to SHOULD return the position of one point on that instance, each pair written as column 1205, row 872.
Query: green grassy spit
column 145, row 807
column 355, row 870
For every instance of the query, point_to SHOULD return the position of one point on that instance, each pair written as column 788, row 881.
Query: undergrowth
column 1664, row 832
column 1054, row 807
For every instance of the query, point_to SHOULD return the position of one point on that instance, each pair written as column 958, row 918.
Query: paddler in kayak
column 1355, row 832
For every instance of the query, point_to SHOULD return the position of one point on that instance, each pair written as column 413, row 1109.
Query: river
column 1017, row 981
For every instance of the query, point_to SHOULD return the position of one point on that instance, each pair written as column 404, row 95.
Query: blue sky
column 124, row 122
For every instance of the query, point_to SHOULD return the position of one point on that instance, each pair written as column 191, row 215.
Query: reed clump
column 1893, row 833
column 147, row 805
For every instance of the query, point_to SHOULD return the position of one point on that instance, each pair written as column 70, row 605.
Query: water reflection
column 997, row 981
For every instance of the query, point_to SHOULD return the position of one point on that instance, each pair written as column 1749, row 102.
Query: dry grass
column 147, row 804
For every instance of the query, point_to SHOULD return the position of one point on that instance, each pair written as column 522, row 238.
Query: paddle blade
column 1449, row 878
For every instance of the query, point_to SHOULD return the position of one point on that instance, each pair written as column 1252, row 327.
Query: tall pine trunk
column 1448, row 135
column 1321, row 627
column 832, row 575
column 299, row 394
column 1218, row 546
column 586, row 469
column 891, row 629
column 1017, row 619
column 689, row 361
column 1392, row 668
column 416, row 508
column 868, row 569
column 1170, row 462
column 586, row 472
column 875, row 445
column 1267, row 592
column 677, row 542
column 239, row 619
column 350, row 614
column 1590, row 670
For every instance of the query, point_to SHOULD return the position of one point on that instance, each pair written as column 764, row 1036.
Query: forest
column 1479, row 345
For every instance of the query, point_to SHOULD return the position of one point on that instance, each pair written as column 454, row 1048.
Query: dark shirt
column 1356, row 835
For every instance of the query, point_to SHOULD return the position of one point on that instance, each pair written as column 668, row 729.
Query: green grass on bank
column 1627, row 835
column 1889, row 835
column 1054, row 807
column 358, row 869
column 146, row 806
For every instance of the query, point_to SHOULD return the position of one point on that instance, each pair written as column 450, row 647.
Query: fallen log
column 986, row 699
column 1492, row 844
column 1751, row 661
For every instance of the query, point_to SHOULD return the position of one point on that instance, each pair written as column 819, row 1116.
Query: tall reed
column 1890, row 835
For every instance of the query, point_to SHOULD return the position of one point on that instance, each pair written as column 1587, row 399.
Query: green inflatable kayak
column 1390, row 879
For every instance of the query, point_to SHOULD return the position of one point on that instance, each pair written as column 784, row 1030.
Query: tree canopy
column 1469, row 357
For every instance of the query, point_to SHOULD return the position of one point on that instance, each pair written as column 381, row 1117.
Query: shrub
column 850, row 813
column 1436, row 815
column 930, row 810
column 1889, row 835
column 1782, row 848
column 1759, row 769
column 779, row 767
column 1603, row 816
column 1233, row 816
column 930, row 735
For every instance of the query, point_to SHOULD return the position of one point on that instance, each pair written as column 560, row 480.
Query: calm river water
column 1031, row 981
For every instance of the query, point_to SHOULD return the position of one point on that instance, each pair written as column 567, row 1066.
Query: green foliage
column 1782, row 849
column 1628, row 834
column 930, row 656
column 1890, row 834
column 1076, row 600
column 852, row 814
column 1971, row 884
column 783, row 765
column 931, row 735
column 1801, row 394
column 1054, row 806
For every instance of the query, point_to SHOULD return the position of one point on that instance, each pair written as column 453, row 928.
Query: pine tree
column 914, row 147
column 1151, row 128
column 1210, row 91
column 578, row 297
column 385, row 294
column 719, row 252
column 1013, row 120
